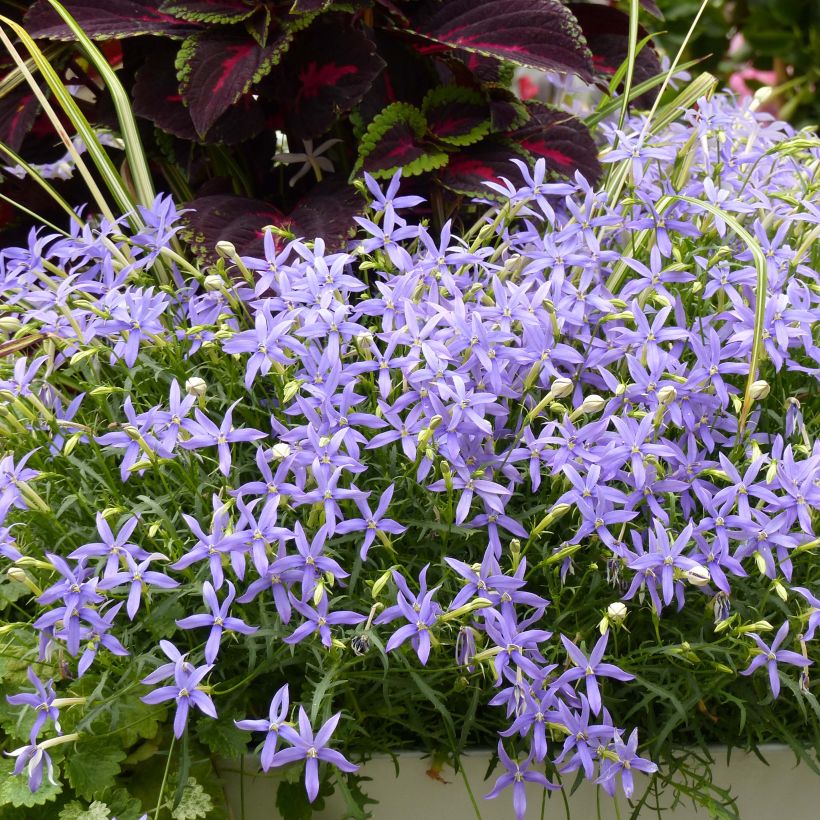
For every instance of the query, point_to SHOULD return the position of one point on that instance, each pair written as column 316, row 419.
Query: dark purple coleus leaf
column 561, row 139
column 216, row 67
column 487, row 70
column 233, row 218
column 104, row 20
column 507, row 111
column 607, row 34
column 327, row 210
column 456, row 115
column 156, row 97
column 488, row 161
column 208, row 11
column 18, row 110
column 396, row 139
column 326, row 73
column 537, row 33
column 406, row 78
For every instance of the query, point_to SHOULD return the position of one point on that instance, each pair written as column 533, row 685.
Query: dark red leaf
column 456, row 115
column 607, row 33
column 327, row 210
column 104, row 20
column 507, row 112
column 18, row 110
column 156, row 98
column 326, row 73
column 469, row 170
column 395, row 139
column 407, row 77
column 487, row 70
column 233, row 218
column 537, row 33
column 217, row 67
column 208, row 11
column 562, row 140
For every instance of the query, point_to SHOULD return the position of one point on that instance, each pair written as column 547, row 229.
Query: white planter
column 779, row 791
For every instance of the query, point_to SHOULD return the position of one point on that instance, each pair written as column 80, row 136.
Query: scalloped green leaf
column 14, row 790
column 395, row 139
column 208, row 11
column 456, row 115
column 92, row 766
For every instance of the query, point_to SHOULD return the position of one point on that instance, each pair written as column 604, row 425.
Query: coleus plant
column 375, row 85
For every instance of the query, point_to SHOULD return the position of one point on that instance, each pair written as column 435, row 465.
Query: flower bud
column 616, row 612
column 196, row 387
column 667, row 394
column 425, row 434
column 760, row 96
column 225, row 248
column 363, row 341
column 561, row 387
column 280, row 451
column 10, row 324
column 759, row 390
column 593, row 404
column 213, row 281
column 757, row 626
column 380, row 582
column 698, row 576
column 291, row 389
column 558, row 511
column 22, row 577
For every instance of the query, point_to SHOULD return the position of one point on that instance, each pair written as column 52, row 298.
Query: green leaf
column 222, row 737
column 395, row 139
column 292, row 802
column 194, row 803
column 135, row 720
column 75, row 811
column 10, row 591
column 92, row 766
column 14, row 790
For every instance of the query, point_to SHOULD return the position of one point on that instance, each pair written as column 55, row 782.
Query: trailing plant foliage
column 240, row 89
column 519, row 485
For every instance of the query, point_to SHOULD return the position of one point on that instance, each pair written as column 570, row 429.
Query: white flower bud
column 760, row 96
column 280, row 451
column 616, row 612
column 698, row 576
column 561, row 387
column 760, row 389
column 225, row 248
column 196, row 387
column 667, row 394
column 213, row 281
column 592, row 404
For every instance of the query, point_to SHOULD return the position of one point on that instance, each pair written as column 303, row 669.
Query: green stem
column 164, row 778
column 469, row 790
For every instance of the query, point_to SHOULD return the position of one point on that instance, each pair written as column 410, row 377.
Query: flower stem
column 164, row 778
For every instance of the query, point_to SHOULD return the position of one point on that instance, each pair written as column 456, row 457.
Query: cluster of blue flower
column 505, row 366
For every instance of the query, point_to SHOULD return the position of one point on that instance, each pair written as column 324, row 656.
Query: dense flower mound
column 317, row 468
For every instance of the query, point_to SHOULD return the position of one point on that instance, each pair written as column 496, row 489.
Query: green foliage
column 15, row 793
column 92, row 766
